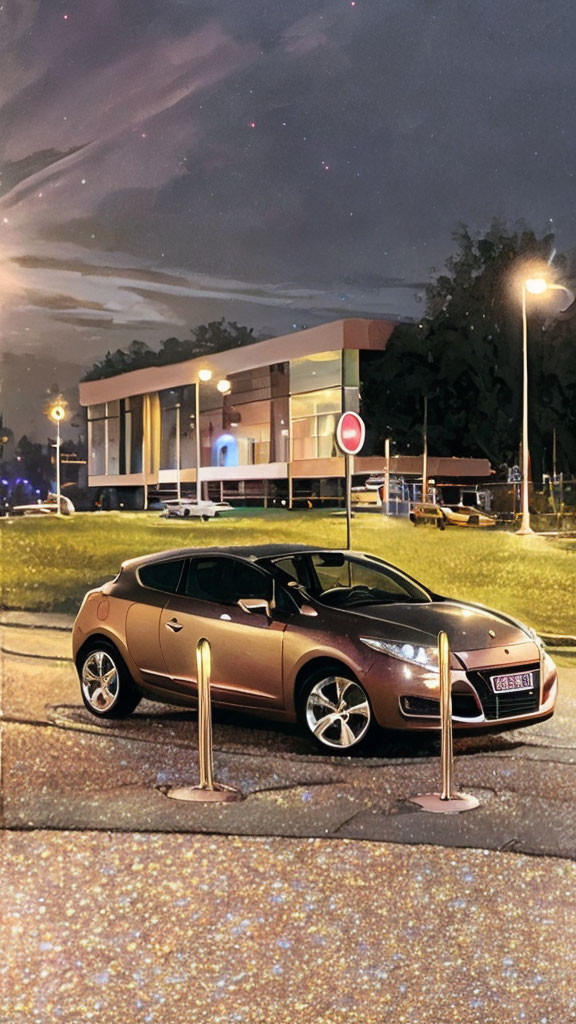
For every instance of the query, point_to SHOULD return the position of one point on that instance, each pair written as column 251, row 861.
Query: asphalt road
column 323, row 896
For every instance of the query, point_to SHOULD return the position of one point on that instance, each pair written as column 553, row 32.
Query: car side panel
column 105, row 615
column 309, row 639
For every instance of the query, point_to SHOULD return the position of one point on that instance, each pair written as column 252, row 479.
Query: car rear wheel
column 105, row 684
column 335, row 711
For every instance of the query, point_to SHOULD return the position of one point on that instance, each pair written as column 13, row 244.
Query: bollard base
column 218, row 794
column 436, row 804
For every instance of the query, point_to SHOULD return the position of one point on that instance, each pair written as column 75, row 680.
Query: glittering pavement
column 119, row 905
column 178, row 929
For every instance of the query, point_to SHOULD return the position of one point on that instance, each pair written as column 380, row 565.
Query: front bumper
column 408, row 698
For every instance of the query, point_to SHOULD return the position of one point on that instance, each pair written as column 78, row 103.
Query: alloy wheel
column 337, row 712
column 100, row 681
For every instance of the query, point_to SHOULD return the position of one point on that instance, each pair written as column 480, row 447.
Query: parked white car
column 187, row 507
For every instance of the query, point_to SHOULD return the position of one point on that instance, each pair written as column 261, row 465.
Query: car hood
column 468, row 627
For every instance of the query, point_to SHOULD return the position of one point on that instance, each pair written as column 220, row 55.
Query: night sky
column 168, row 162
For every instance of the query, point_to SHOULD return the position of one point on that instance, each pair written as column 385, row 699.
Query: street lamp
column 532, row 286
column 57, row 413
column 224, row 387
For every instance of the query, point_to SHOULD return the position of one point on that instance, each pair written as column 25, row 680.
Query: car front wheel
column 335, row 711
column 106, row 686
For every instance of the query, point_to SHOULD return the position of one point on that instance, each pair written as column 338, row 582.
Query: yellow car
column 450, row 515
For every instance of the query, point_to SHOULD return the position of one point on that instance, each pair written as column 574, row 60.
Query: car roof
column 251, row 554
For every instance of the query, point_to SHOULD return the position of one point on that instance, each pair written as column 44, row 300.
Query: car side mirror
column 255, row 604
column 307, row 609
column 303, row 607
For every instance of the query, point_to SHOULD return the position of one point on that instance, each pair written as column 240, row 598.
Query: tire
column 186, row 513
column 106, row 686
column 331, row 693
column 441, row 524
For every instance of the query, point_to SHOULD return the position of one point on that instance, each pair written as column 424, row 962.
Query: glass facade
column 252, row 427
column 115, row 437
column 314, row 419
column 315, row 372
column 286, row 411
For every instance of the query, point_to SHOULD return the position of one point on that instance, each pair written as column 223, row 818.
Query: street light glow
column 536, row 285
column 224, row 386
column 205, row 375
column 57, row 412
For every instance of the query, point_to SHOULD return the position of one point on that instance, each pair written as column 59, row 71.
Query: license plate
column 513, row 681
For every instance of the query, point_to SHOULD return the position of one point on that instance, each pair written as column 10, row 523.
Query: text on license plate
column 513, row 681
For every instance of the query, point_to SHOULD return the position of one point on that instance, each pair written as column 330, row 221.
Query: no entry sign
column 350, row 433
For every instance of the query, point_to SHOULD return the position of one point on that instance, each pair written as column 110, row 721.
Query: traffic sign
column 350, row 433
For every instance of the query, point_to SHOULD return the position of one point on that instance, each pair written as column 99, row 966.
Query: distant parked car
column 187, row 507
column 340, row 641
column 46, row 508
column 450, row 515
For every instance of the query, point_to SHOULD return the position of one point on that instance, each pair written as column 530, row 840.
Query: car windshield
column 345, row 581
column 463, row 508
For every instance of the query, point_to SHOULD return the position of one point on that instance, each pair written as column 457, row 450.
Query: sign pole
column 387, row 476
column 348, row 459
column 350, row 435
column 445, row 802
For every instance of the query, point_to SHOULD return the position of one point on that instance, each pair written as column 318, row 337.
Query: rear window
column 162, row 575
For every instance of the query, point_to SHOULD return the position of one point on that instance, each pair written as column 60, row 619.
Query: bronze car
column 341, row 641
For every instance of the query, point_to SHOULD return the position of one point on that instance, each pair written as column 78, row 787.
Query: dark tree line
column 205, row 339
column 465, row 356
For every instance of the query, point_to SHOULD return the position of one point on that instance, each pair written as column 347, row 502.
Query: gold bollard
column 207, row 790
column 446, row 749
column 446, row 802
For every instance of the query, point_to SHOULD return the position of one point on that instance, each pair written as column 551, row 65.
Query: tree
column 206, row 339
column 466, row 356
column 6, row 435
column 32, row 462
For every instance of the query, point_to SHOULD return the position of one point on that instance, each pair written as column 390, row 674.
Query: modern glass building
column 271, row 439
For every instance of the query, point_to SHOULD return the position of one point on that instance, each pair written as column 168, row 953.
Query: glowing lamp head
column 205, row 376
column 57, row 413
column 223, row 386
column 536, row 285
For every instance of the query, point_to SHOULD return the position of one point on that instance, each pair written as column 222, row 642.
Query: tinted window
column 250, row 582
column 225, row 580
column 162, row 575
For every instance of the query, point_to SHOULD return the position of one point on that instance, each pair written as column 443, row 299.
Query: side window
column 225, row 580
column 162, row 575
column 247, row 581
column 209, row 580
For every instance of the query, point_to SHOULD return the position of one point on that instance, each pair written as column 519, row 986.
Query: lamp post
column 57, row 412
column 223, row 387
column 178, row 485
column 532, row 286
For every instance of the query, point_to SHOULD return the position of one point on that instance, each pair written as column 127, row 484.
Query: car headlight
column 426, row 657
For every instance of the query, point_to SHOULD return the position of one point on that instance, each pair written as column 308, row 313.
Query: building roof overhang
column 355, row 333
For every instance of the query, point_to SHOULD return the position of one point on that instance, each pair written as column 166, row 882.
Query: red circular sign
column 350, row 433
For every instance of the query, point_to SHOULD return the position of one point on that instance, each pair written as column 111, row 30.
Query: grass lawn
column 48, row 564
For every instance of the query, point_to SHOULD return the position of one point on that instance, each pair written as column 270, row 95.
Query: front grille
column 511, row 704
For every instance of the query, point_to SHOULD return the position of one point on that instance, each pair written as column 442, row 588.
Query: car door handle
column 174, row 625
